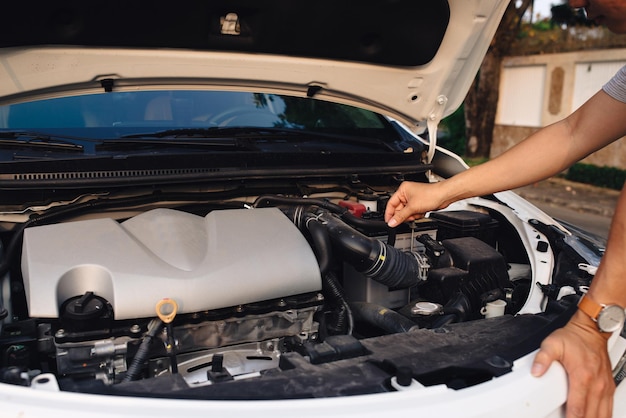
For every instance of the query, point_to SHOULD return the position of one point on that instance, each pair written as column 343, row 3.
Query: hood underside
column 411, row 60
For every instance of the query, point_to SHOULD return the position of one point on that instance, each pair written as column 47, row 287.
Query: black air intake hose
column 385, row 319
column 322, row 245
column 325, row 205
column 371, row 257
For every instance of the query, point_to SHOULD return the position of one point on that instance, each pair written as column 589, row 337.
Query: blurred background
column 546, row 59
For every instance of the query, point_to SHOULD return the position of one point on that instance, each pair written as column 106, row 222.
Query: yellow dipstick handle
column 166, row 310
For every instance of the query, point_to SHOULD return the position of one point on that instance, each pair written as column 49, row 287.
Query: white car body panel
column 515, row 395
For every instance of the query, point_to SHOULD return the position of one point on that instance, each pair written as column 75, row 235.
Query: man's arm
column 579, row 346
column 549, row 151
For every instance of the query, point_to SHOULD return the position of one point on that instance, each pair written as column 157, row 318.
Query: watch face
column 611, row 318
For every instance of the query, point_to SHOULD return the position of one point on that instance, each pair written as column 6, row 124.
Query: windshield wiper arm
column 33, row 139
column 133, row 141
column 213, row 132
column 255, row 132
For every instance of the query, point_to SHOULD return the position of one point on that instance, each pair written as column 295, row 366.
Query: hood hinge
column 432, row 124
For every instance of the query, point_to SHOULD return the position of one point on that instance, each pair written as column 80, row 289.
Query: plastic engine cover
column 227, row 258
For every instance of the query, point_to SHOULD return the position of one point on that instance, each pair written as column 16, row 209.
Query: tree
column 482, row 99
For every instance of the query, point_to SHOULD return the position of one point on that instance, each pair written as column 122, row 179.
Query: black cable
column 135, row 367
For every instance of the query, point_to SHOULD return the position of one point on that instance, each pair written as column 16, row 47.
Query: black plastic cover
column 465, row 223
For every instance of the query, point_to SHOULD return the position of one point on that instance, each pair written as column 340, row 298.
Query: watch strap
column 590, row 307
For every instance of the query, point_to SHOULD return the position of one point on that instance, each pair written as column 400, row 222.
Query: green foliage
column 543, row 25
column 610, row 177
column 475, row 161
column 453, row 132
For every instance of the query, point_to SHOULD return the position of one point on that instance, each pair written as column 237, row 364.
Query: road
column 591, row 222
column 588, row 207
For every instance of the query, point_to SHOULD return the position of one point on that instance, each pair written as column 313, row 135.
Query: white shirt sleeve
column 616, row 86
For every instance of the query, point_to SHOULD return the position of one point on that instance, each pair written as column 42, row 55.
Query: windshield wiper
column 222, row 132
column 41, row 140
column 255, row 132
column 135, row 142
column 187, row 133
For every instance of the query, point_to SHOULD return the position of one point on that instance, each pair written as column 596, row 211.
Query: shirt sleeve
column 616, row 86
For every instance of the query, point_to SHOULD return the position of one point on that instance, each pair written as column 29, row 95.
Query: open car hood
column 411, row 60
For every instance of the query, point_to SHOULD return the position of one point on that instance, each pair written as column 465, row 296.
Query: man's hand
column 582, row 351
column 411, row 201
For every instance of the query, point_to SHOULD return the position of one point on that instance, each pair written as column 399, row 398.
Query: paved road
column 597, row 224
column 588, row 207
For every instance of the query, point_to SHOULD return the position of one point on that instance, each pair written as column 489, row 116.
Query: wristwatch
column 609, row 318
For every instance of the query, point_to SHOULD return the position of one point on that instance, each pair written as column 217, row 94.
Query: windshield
column 189, row 135
column 115, row 114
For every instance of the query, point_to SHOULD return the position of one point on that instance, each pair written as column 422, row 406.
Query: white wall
column 589, row 77
column 521, row 95
column 538, row 90
column 525, row 84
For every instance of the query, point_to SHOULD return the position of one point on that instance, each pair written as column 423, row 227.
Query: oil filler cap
column 87, row 312
column 84, row 307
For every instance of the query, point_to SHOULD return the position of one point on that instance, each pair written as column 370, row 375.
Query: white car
column 191, row 218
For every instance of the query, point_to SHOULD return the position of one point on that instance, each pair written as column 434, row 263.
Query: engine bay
column 172, row 299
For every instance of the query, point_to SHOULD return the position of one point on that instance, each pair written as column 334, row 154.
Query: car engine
column 243, row 286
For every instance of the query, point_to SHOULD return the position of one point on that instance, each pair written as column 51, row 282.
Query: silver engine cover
column 227, row 258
